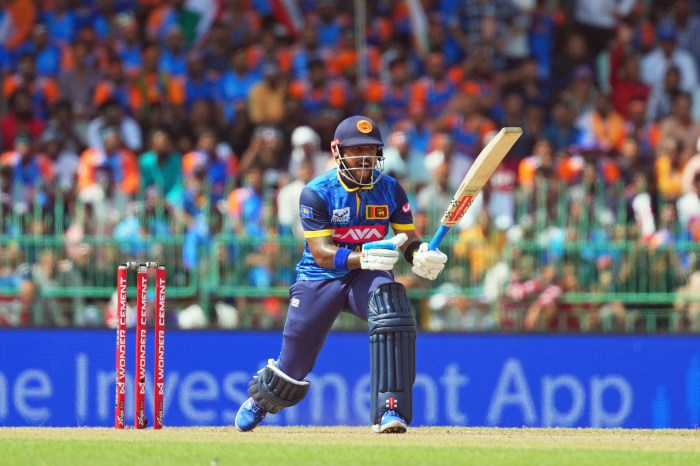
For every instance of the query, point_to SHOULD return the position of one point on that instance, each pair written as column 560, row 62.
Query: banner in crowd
column 67, row 378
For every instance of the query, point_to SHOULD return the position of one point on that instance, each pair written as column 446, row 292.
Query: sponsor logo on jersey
column 406, row 208
column 377, row 212
column 294, row 302
column 358, row 235
column 341, row 215
column 307, row 212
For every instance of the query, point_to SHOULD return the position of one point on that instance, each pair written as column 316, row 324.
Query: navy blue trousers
column 314, row 306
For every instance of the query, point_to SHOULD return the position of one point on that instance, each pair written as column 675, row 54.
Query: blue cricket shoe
column 249, row 415
column 390, row 423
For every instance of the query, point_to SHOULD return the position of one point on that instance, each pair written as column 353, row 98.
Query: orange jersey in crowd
column 143, row 91
column 469, row 86
column 434, row 96
column 669, row 178
column 198, row 158
column 333, row 94
column 148, row 89
column 570, row 169
column 12, row 158
column 609, row 131
column 44, row 85
column 93, row 158
column 21, row 14
column 346, row 59
column 101, row 55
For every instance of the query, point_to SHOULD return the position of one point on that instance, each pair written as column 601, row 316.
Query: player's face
column 360, row 162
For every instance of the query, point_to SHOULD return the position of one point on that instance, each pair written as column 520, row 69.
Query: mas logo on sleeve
column 341, row 215
column 377, row 212
column 307, row 212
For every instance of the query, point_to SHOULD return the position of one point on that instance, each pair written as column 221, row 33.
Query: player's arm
column 412, row 237
column 318, row 231
column 376, row 255
column 324, row 251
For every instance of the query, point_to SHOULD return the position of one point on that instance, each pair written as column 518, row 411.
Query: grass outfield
column 218, row 446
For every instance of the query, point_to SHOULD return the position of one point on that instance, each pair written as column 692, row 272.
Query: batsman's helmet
column 358, row 130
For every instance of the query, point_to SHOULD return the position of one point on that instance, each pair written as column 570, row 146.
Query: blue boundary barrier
column 66, row 378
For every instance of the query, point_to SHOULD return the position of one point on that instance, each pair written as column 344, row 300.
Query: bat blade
column 475, row 179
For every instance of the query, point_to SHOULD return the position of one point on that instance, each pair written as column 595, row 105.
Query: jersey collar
column 348, row 188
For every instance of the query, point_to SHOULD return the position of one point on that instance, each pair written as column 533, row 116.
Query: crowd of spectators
column 146, row 118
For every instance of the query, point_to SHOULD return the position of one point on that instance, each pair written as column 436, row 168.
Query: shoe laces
column 391, row 412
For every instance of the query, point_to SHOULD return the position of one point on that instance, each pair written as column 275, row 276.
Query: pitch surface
column 216, row 446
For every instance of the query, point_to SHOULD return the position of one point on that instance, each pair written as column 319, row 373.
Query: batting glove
column 382, row 255
column 428, row 264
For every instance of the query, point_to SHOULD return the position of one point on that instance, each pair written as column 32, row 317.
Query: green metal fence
column 88, row 268
column 583, row 234
column 68, row 277
column 651, row 282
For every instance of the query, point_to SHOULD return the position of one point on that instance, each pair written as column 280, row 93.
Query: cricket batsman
column 347, row 264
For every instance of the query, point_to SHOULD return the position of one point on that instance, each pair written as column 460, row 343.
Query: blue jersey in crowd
column 353, row 216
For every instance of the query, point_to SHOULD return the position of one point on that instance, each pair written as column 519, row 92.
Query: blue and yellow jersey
column 352, row 216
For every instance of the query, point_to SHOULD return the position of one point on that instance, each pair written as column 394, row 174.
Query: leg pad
column 274, row 390
column 392, row 336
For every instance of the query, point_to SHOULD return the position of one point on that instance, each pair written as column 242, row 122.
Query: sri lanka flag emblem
column 377, row 212
column 307, row 212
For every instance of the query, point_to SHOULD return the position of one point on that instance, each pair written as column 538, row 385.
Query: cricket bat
column 475, row 179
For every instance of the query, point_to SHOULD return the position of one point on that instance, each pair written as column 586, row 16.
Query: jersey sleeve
column 314, row 214
column 401, row 218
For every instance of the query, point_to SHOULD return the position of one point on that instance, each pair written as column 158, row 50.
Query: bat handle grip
column 437, row 237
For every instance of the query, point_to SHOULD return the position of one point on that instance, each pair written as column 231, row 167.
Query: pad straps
column 273, row 389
